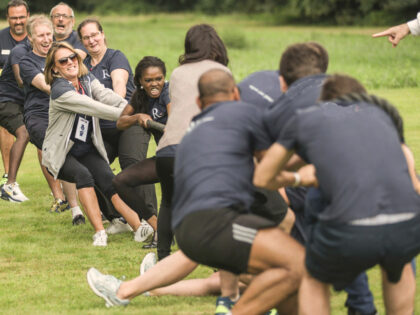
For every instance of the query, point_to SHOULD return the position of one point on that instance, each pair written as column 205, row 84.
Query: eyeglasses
column 93, row 35
column 65, row 60
column 64, row 16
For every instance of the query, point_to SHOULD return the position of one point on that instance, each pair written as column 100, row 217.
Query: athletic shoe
column 144, row 233
column 118, row 225
column 148, row 262
column 106, row 287
column 3, row 180
column 100, row 238
column 78, row 220
column 151, row 245
column 12, row 192
column 223, row 305
column 272, row 312
column 59, row 206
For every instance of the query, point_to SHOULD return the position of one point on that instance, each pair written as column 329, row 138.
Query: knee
column 22, row 134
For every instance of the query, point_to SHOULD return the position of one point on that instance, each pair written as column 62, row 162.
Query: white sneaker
column 12, row 193
column 144, row 233
column 100, row 238
column 148, row 262
column 118, row 226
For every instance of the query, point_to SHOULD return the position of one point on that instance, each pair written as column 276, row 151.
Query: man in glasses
column 10, row 113
column 62, row 18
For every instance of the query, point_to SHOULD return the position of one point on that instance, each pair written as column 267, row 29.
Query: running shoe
column 100, row 238
column 223, row 305
column 12, row 192
column 118, row 225
column 106, row 287
column 79, row 219
column 59, row 206
column 148, row 262
column 144, row 233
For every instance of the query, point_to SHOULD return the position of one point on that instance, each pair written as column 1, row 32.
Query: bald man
column 214, row 211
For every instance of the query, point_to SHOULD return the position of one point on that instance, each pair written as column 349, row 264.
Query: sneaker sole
column 108, row 303
column 7, row 197
column 143, row 263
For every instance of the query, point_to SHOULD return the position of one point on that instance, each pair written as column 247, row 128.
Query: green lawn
column 43, row 259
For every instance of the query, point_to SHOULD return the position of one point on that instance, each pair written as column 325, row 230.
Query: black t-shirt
column 360, row 166
column 7, row 42
column 112, row 60
column 36, row 101
column 214, row 162
column 9, row 90
column 73, row 40
column 261, row 88
column 303, row 93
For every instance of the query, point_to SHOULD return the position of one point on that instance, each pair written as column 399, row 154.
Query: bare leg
column 129, row 214
column 6, row 142
column 289, row 220
column 399, row 297
column 167, row 271
column 70, row 192
column 53, row 183
column 277, row 259
column 191, row 287
column 153, row 222
column 90, row 204
column 314, row 296
column 16, row 152
column 229, row 285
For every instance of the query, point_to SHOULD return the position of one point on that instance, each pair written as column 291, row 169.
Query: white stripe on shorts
column 243, row 233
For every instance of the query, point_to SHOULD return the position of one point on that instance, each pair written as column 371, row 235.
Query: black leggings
column 165, row 171
column 126, row 184
column 88, row 170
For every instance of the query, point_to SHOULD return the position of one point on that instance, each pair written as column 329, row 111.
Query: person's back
column 373, row 175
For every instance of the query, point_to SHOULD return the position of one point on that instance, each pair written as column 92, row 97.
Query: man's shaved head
column 215, row 81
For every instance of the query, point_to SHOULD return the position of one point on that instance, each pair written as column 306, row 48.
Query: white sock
column 75, row 211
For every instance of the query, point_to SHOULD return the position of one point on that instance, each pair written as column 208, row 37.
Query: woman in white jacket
column 73, row 149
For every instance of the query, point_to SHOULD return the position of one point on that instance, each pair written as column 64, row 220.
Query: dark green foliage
column 333, row 12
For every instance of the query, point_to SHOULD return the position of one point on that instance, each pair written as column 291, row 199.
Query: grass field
column 43, row 259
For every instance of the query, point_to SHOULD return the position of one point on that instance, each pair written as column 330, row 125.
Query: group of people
column 290, row 181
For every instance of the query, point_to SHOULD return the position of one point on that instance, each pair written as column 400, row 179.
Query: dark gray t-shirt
column 73, row 40
column 36, row 101
column 112, row 60
column 7, row 42
column 214, row 161
column 302, row 93
column 9, row 89
column 360, row 166
column 261, row 88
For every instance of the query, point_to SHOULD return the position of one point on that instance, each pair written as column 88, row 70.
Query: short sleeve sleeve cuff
column 414, row 25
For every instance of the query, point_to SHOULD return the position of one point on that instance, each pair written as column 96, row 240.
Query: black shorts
column 37, row 127
column 11, row 116
column 336, row 254
column 220, row 238
column 269, row 204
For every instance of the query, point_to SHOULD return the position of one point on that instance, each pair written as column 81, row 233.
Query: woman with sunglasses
column 113, row 70
column 73, row 149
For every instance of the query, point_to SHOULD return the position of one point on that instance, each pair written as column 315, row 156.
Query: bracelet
column 297, row 179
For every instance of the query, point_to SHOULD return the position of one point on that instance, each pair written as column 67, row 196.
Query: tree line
column 332, row 12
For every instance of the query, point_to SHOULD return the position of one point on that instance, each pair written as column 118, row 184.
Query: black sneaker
column 79, row 219
column 151, row 245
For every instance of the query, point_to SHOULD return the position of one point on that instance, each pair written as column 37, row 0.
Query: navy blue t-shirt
column 157, row 106
column 73, row 40
column 7, row 42
column 9, row 89
column 360, row 166
column 112, row 60
column 261, row 88
column 303, row 93
column 36, row 101
column 214, row 161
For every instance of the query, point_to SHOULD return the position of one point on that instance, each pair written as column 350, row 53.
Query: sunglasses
column 64, row 61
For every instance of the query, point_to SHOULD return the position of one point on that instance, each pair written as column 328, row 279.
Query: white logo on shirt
column 5, row 51
column 156, row 114
column 198, row 122
column 105, row 74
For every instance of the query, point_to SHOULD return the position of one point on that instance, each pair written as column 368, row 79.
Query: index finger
column 381, row 34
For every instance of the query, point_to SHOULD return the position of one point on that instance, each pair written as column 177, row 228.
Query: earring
column 141, row 87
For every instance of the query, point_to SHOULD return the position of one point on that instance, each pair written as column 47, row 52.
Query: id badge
column 82, row 129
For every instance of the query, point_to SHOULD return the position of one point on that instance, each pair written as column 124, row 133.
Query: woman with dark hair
column 150, row 101
column 112, row 69
column 204, row 50
column 73, row 149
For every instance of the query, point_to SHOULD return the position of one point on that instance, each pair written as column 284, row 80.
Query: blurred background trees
column 328, row 12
